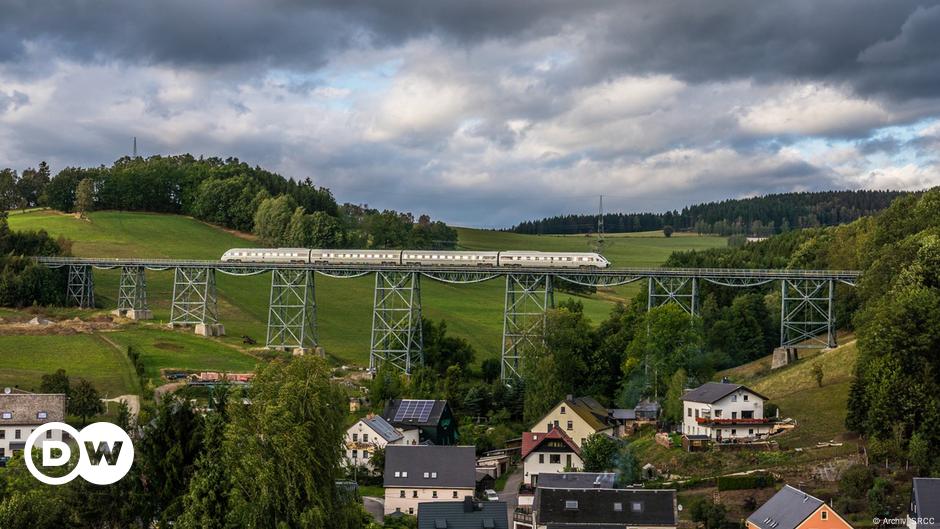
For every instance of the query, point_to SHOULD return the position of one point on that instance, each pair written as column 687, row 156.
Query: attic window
column 397, row 474
column 427, row 475
column 571, row 505
column 433, row 475
column 824, row 515
column 41, row 415
column 618, row 507
column 7, row 415
column 404, row 474
column 636, row 506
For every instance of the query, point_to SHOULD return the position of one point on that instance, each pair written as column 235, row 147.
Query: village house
column 371, row 433
column 925, row 504
column 791, row 508
column 427, row 473
column 466, row 514
column 433, row 420
column 566, row 480
column 21, row 412
column 721, row 412
column 561, row 508
column 578, row 417
column 547, row 453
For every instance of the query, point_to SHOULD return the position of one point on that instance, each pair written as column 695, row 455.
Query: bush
column 750, row 481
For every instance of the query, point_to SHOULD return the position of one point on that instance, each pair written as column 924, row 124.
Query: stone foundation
column 210, row 329
column 784, row 356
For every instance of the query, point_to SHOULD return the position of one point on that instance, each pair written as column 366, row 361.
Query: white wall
column 579, row 429
column 532, row 466
column 731, row 406
column 9, row 437
column 409, row 504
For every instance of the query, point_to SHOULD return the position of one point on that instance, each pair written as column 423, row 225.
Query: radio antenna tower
column 135, row 146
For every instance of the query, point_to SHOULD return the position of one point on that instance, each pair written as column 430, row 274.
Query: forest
column 758, row 216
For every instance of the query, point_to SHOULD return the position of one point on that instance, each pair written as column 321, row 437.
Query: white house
column 371, row 433
column 578, row 417
column 722, row 412
column 21, row 412
column 548, row 453
column 427, row 473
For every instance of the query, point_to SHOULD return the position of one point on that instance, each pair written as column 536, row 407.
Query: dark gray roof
column 714, row 391
column 785, row 510
column 622, row 414
column 434, row 416
column 926, row 496
column 24, row 408
column 406, row 466
column 455, row 515
column 383, row 428
column 647, row 405
column 598, row 506
column 578, row 480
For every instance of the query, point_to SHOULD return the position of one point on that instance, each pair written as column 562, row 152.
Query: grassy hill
column 344, row 305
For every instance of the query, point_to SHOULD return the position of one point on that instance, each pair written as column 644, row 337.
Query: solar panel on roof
column 414, row 410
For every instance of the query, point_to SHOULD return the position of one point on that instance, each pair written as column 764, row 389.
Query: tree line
column 757, row 216
column 226, row 192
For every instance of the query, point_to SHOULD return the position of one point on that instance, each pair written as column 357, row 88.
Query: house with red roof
column 548, row 452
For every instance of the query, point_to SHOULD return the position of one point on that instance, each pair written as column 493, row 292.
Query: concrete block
column 210, row 329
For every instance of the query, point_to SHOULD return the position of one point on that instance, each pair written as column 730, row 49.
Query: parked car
column 491, row 495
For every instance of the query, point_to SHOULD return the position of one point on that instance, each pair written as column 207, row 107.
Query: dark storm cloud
column 878, row 47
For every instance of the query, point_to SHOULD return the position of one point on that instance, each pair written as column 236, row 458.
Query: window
column 16, row 434
column 411, row 510
column 414, row 494
column 562, row 410
column 365, row 438
column 749, row 414
column 734, row 431
column 688, row 412
column 455, row 494
column 636, row 506
column 433, row 475
column 568, row 460
column 717, row 414
column 571, row 505
column 41, row 415
column 548, row 428
column 355, row 454
column 750, row 431
column 434, row 494
column 397, row 474
column 7, row 415
column 696, row 413
column 541, row 458
column 365, row 454
column 3, row 434
column 427, row 475
column 556, row 423
column 745, row 398
column 355, row 437
column 823, row 515
column 554, row 459
column 618, row 507
column 402, row 494
column 571, row 425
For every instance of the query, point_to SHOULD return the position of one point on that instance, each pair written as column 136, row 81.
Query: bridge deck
column 714, row 273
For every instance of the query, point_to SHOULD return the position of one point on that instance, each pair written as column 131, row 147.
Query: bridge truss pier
column 396, row 321
column 292, row 311
column 806, row 313
column 528, row 298
column 682, row 291
column 195, row 301
column 81, row 286
column 132, row 294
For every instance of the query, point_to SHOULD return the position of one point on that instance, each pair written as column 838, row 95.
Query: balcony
column 522, row 515
column 718, row 422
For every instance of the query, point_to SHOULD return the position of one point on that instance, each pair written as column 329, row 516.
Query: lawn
column 344, row 311
column 167, row 349
column 24, row 359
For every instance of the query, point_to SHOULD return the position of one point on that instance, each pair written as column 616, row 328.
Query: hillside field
column 344, row 310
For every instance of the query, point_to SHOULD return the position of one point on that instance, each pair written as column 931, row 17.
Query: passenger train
column 417, row 257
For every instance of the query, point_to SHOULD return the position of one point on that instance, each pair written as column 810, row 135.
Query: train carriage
column 371, row 257
column 552, row 260
column 267, row 255
column 447, row 258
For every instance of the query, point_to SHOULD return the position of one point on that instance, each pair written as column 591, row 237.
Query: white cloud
column 812, row 110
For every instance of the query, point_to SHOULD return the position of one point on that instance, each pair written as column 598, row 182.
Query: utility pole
column 135, row 146
column 600, row 220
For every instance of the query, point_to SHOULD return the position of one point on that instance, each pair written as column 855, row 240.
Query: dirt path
column 133, row 403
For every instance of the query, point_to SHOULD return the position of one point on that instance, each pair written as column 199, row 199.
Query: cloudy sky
column 487, row 112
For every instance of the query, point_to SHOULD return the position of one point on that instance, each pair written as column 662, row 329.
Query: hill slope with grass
column 344, row 310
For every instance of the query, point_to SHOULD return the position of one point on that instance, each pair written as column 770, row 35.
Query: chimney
column 724, row 380
column 569, row 397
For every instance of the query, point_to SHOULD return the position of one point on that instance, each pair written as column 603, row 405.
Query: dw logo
column 105, row 453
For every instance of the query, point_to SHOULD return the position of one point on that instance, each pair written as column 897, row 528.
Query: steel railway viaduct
column 806, row 302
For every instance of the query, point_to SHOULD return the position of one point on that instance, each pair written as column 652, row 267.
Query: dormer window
column 41, row 415
column 404, row 474
column 433, row 475
column 427, row 475
column 636, row 506
column 397, row 474
column 7, row 415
